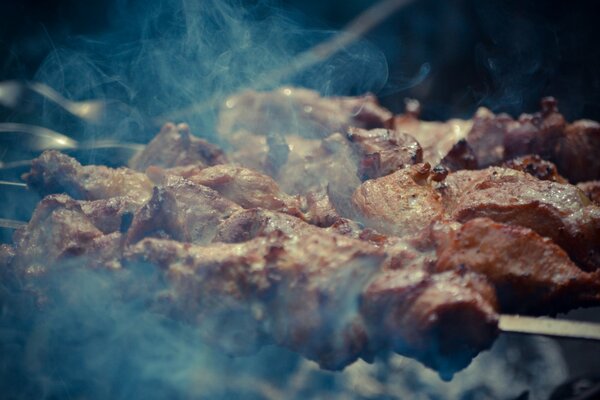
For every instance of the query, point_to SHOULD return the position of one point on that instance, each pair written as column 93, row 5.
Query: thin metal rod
column 16, row 184
column 358, row 27
column 11, row 223
column 550, row 327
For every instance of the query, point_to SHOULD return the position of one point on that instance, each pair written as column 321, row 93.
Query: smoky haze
column 154, row 57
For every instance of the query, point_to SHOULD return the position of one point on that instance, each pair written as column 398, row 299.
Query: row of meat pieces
column 323, row 230
column 234, row 247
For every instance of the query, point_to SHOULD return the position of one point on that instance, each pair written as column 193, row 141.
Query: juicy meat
column 534, row 165
column 403, row 203
column 576, row 151
column 460, row 156
column 572, row 147
column 299, row 111
column 322, row 295
column 486, row 137
column 181, row 210
column 558, row 211
column 532, row 275
column 592, row 190
column 62, row 229
column 383, row 151
column 247, row 187
column 436, row 138
column 267, row 288
column 443, row 320
column 175, row 146
column 54, row 172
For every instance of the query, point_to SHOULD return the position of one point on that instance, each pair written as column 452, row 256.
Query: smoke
column 100, row 338
column 164, row 56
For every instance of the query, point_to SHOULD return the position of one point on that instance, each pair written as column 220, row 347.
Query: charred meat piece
column 247, row 187
column 436, row 138
column 460, row 156
column 403, row 203
column 265, row 290
column 62, row 229
column 576, row 152
column 572, row 147
column 320, row 296
column 532, row 275
column 592, row 190
column 299, row 111
column 486, row 137
column 558, row 211
column 54, row 172
column 383, row 151
column 535, row 133
column 175, row 146
column 535, row 166
column 181, row 210
column 443, row 320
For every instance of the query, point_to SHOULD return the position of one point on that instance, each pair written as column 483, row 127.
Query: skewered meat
column 534, row 165
column 531, row 274
column 307, row 309
column 62, row 229
column 54, row 172
column 246, row 187
column 403, row 203
column 299, row 111
column 558, row 211
column 383, row 151
column 572, row 147
column 176, row 146
column 181, row 210
column 436, row 138
column 486, row 137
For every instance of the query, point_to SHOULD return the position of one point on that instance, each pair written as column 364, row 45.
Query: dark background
column 501, row 54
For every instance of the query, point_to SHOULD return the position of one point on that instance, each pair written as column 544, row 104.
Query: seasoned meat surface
column 61, row 230
column 558, row 211
column 532, row 275
column 299, row 111
column 435, row 138
column 402, row 203
column 54, row 172
column 313, row 306
column 534, row 165
column 383, row 151
column 181, row 210
column 175, row 146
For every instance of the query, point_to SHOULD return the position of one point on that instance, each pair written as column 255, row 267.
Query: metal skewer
column 549, row 327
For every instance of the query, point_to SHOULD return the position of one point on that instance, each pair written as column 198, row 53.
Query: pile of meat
column 333, row 228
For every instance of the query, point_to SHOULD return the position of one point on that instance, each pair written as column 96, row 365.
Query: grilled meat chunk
column 62, row 229
column 54, row 172
column 321, row 296
column 572, row 147
column 247, row 187
column 534, row 165
column 403, row 203
column 299, row 111
column 558, row 211
column 383, row 151
column 181, row 210
column 532, row 275
column 435, row 138
column 175, row 146
column 486, row 137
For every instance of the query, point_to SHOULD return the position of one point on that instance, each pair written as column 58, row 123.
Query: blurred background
column 454, row 56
